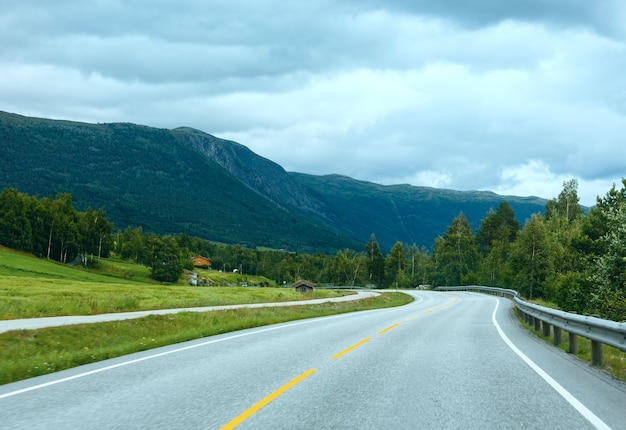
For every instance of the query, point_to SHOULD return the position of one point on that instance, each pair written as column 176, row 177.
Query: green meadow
column 32, row 287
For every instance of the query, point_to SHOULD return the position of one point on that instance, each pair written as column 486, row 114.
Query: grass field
column 31, row 287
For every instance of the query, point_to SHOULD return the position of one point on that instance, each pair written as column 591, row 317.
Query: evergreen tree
column 456, row 253
column 498, row 226
column 494, row 236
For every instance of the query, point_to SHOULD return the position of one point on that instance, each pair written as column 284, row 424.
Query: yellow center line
column 389, row 328
column 273, row 396
column 347, row 350
column 258, row 406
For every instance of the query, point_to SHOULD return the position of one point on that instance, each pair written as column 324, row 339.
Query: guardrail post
column 545, row 327
column 557, row 336
column 596, row 353
column 573, row 343
column 537, row 324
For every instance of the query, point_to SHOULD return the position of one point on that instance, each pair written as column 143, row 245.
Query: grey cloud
column 469, row 95
column 598, row 14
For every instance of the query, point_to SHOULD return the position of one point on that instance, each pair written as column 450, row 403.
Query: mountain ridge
column 184, row 180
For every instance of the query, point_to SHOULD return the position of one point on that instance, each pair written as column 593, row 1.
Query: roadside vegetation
column 28, row 353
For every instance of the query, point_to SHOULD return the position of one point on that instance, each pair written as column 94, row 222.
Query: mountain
column 413, row 215
column 187, row 181
column 156, row 179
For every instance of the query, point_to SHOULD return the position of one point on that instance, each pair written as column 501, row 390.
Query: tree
column 499, row 225
column 494, row 237
column 422, row 266
column 456, row 253
column 566, row 205
column 131, row 245
column 165, row 259
column 375, row 263
column 598, row 255
column 564, row 218
column 530, row 258
column 15, row 226
column 61, row 220
column 609, row 274
column 597, row 223
column 492, row 267
column 347, row 267
column 95, row 234
column 395, row 263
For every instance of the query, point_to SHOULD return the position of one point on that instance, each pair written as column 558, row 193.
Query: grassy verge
column 614, row 360
column 28, row 353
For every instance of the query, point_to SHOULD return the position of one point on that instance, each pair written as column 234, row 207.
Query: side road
column 36, row 323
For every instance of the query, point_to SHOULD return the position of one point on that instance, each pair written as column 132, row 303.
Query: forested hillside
column 404, row 212
column 146, row 177
column 186, row 181
column 567, row 257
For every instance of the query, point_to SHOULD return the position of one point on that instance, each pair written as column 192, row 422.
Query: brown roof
column 304, row 284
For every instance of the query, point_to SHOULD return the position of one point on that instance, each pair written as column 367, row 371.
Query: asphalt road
column 448, row 360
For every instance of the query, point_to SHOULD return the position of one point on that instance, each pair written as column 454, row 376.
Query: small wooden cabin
column 304, row 286
column 200, row 261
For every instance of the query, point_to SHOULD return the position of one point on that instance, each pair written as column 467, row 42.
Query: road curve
column 447, row 360
column 36, row 323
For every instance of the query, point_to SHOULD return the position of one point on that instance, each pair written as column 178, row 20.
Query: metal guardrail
column 552, row 321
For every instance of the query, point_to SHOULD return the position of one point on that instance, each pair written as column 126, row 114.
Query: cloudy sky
column 514, row 97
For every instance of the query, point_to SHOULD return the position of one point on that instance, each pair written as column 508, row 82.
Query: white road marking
column 150, row 357
column 582, row 409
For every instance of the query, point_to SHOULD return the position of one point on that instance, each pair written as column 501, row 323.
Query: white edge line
column 150, row 357
column 582, row 409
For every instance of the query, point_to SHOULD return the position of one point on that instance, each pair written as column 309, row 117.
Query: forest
column 567, row 257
